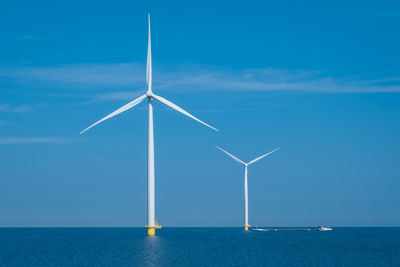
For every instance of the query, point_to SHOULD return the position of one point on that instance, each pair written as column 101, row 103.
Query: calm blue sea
column 198, row 247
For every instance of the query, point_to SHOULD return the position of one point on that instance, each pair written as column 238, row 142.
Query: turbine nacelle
column 149, row 94
column 246, row 164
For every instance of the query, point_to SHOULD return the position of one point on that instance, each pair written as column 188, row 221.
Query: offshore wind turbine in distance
column 246, row 202
column 152, row 224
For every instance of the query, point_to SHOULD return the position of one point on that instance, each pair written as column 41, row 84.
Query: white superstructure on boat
column 322, row 228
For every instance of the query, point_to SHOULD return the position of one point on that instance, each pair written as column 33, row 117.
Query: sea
column 365, row 246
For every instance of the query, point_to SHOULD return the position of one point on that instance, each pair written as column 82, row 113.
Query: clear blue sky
column 321, row 81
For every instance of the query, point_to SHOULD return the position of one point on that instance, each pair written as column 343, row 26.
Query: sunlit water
column 198, row 247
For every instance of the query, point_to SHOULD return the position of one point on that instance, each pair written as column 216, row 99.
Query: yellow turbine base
column 151, row 231
column 246, row 228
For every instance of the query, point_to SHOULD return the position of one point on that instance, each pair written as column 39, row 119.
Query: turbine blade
column 254, row 160
column 148, row 65
column 173, row 106
column 232, row 156
column 120, row 110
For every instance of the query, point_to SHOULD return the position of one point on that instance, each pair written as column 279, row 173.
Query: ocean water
column 198, row 247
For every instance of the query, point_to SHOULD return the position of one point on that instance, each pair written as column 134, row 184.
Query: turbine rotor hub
column 149, row 94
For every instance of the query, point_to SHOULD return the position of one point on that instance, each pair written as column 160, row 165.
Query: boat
column 322, row 228
column 318, row 228
column 262, row 230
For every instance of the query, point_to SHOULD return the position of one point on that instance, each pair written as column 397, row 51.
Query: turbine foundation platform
column 246, row 227
column 151, row 230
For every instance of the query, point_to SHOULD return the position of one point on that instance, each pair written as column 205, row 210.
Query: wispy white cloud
column 78, row 75
column 126, row 79
column 33, row 140
column 117, row 95
column 382, row 81
column 19, row 108
column 29, row 37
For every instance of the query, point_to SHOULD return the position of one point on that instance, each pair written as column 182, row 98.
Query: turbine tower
column 151, row 213
column 246, row 202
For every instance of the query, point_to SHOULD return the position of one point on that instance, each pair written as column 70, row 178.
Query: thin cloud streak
column 19, row 108
column 29, row 37
column 126, row 79
column 78, row 75
column 118, row 95
column 35, row 140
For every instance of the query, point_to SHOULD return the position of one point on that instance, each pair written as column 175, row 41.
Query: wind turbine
column 246, row 203
column 151, row 216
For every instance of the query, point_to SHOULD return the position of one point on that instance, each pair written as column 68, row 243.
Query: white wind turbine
column 151, row 217
column 246, row 203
